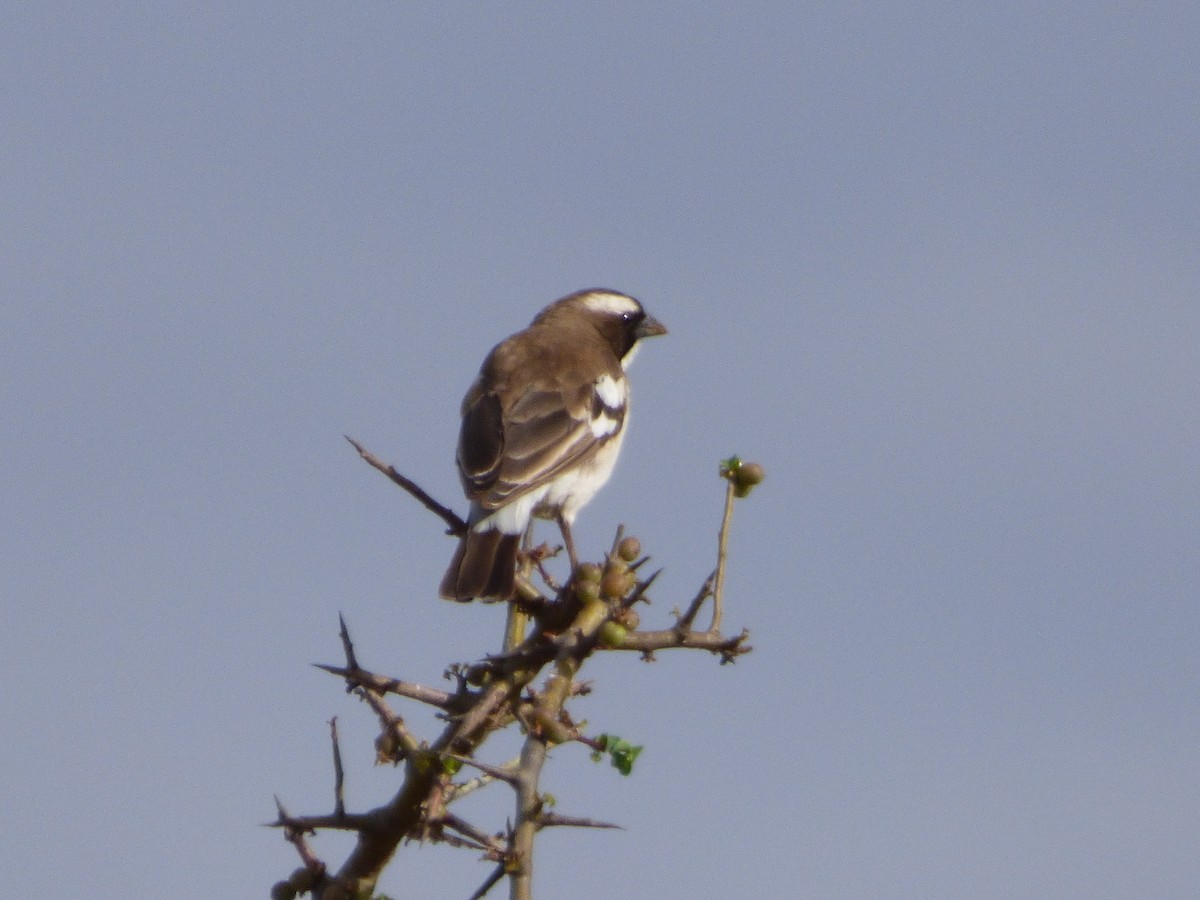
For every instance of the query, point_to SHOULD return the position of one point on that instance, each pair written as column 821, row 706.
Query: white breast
column 572, row 490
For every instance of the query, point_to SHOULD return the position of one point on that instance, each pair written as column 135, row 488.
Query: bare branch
column 387, row 825
column 636, row 595
column 529, row 808
column 492, row 845
column 339, row 775
column 684, row 623
column 457, row 842
column 544, row 636
column 460, row 789
column 722, row 555
column 573, row 646
column 455, row 524
column 491, row 882
column 296, row 835
column 647, row 642
column 617, row 538
column 381, row 684
column 347, row 644
column 392, row 723
column 551, row 820
column 502, row 773
column 359, row 822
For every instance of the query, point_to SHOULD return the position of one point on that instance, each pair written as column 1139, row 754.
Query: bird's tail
column 484, row 565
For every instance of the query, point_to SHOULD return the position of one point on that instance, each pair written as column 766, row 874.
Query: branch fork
column 549, row 635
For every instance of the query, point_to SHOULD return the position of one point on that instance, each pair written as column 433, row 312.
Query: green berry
column 303, row 879
column 587, row 591
column 746, row 477
column 613, row 634
column 629, row 549
column 588, row 571
column 627, row 617
column 617, row 582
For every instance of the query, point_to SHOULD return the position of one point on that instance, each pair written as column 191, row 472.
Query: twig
column 684, row 622
column 486, row 842
column 490, row 695
column 392, row 723
column 718, row 595
column 476, row 718
column 515, row 626
column 491, row 882
column 647, row 642
column 457, row 842
column 339, row 775
column 551, row 820
column 295, row 835
column 360, row 822
column 460, row 789
column 381, row 684
column 636, row 595
column 380, row 831
column 502, row 773
column 617, row 538
column 456, row 525
column 347, row 644
column 366, row 685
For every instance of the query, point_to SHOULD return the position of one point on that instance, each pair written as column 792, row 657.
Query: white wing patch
column 611, row 392
column 602, row 426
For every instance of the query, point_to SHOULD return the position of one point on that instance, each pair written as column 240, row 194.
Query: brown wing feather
column 544, row 433
column 480, row 441
column 514, row 441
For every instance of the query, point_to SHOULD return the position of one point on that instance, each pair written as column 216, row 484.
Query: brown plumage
column 541, row 429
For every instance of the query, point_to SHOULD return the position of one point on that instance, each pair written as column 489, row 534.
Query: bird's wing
column 545, row 431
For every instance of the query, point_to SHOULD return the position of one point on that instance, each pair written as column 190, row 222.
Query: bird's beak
column 649, row 327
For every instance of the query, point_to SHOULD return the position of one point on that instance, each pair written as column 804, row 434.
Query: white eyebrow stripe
column 617, row 304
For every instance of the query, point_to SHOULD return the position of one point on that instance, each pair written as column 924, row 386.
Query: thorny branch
column 455, row 524
column 548, row 635
column 339, row 774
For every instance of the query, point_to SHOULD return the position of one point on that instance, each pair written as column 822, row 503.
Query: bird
column 542, row 426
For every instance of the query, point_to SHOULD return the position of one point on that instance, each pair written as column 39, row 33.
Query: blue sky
column 933, row 265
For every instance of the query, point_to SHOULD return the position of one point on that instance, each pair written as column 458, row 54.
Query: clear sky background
column 936, row 266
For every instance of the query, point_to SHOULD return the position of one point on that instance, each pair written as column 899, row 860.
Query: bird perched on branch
column 541, row 429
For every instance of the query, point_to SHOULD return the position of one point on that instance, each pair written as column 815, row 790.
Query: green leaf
column 623, row 758
column 620, row 752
